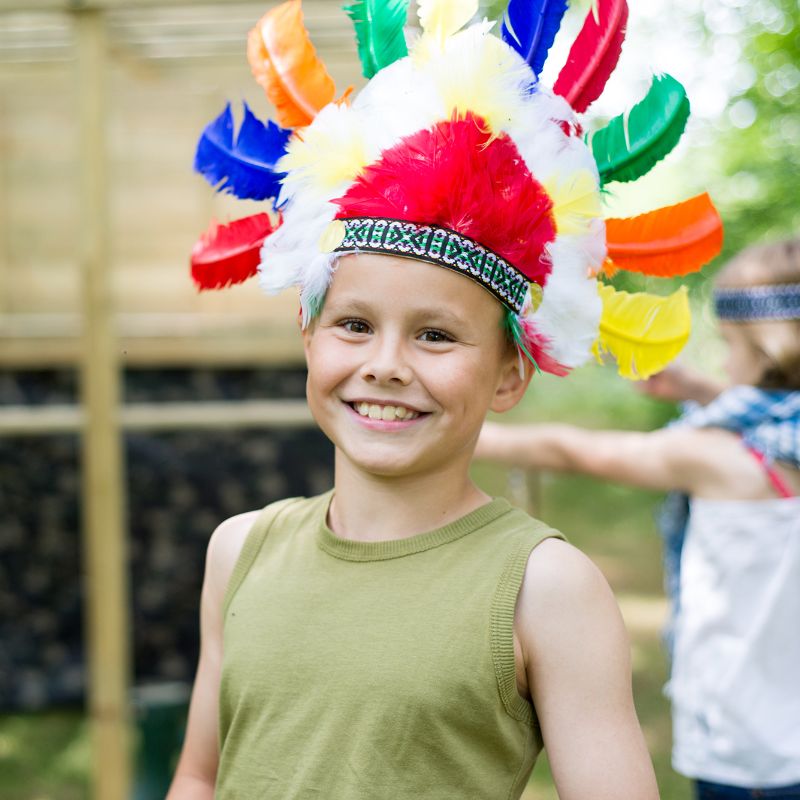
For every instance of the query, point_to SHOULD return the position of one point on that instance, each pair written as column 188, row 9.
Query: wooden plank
column 240, row 351
column 41, row 340
column 104, row 550
column 218, row 415
column 9, row 6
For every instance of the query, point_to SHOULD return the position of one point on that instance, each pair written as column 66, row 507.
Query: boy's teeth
column 385, row 413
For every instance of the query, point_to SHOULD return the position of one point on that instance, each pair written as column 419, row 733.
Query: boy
column 395, row 480
column 405, row 635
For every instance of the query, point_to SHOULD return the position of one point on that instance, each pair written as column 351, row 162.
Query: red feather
column 593, row 55
column 457, row 176
column 228, row 254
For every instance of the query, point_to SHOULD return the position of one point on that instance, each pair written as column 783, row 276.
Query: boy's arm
column 197, row 767
column 577, row 659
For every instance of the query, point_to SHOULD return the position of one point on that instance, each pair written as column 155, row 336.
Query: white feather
column 323, row 161
column 316, row 279
column 478, row 72
column 569, row 314
column 400, row 100
column 288, row 254
column 538, row 135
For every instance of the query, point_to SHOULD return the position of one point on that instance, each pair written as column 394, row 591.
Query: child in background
column 405, row 635
column 736, row 453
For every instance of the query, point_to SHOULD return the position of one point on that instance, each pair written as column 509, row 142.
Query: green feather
column 634, row 142
column 514, row 331
column 379, row 32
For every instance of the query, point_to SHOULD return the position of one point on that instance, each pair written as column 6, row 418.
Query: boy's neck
column 367, row 507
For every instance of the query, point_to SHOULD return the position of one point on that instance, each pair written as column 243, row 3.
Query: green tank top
column 371, row 670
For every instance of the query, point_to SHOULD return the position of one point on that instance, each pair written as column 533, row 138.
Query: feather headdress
column 454, row 153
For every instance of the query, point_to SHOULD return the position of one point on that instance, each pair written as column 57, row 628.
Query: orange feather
column 285, row 63
column 669, row 241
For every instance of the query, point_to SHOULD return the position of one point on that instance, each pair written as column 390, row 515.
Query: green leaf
column 379, row 32
column 491, row 9
column 633, row 143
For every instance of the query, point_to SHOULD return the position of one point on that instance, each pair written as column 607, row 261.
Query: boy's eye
column 433, row 335
column 355, row 326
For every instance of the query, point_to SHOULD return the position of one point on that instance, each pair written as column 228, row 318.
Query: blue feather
column 530, row 26
column 245, row 169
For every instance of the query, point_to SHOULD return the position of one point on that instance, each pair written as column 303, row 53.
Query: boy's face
column 404, row 361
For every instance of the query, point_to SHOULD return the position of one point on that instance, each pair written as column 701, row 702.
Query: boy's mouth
column 387, row 413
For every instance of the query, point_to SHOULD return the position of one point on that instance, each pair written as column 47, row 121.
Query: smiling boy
column 405, row 635
column 371, row 646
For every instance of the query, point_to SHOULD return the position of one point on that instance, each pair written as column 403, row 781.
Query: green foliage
column 757, row 151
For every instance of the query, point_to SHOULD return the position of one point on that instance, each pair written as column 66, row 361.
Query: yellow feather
column 326, row 155
column 576, row 201
column 442, row 18
column 643, row 332
column 477, row 72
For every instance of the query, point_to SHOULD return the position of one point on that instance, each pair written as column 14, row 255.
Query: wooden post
column 105, row 561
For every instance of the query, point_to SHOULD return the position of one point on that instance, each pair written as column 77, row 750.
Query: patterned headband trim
column 779, row 302
column 438, row 246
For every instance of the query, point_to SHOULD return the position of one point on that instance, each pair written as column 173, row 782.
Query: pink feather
column 228, row 254
column 538, row 345
column 593, row 55
column 457, row 176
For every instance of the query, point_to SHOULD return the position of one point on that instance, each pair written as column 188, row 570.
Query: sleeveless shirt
column 367, row 670
column 735, row 685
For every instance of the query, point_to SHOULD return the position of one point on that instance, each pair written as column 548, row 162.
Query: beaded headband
column 454, row 153
column 437, row 246
column 759, row 303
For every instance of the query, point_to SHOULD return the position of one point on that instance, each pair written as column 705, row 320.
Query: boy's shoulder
column 556, row 573
column 565, row 608
column 231, row 536
column 518, row 524
column 233, row 532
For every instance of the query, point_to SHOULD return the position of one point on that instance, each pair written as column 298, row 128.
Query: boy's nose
column 386, row 364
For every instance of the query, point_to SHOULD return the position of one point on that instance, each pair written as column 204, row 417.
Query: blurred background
column 102, row 537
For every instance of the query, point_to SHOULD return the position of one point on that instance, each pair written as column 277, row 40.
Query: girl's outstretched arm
column 577, row 660
column 684, row 459
column 196, row 772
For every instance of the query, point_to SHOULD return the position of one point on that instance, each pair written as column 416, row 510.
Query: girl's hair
column 765, row 265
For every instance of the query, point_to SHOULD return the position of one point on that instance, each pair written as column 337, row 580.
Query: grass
column 46, row 756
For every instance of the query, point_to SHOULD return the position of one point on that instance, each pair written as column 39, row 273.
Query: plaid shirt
column 769, row 421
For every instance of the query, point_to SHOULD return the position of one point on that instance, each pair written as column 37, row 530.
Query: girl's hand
column 677, row 384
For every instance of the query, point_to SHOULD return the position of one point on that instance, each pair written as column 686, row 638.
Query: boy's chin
column 387, row 464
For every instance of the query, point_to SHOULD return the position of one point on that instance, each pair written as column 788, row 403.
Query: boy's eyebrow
column 439, row 314
column 354, row 305
column 348, row 304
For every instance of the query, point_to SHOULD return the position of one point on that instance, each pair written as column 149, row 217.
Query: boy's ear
column 515, row 376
